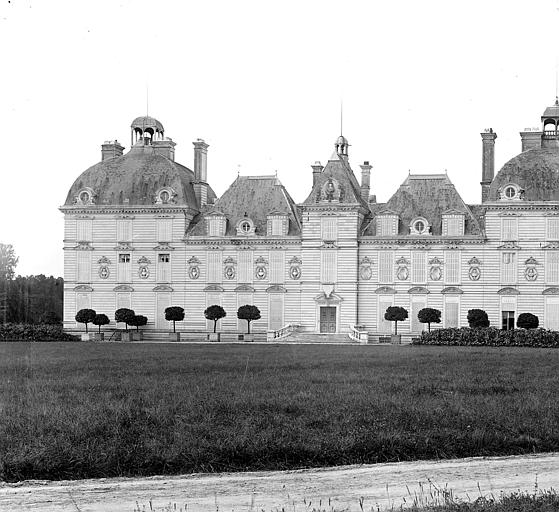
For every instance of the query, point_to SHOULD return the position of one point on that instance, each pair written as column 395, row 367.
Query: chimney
column 488, row 162
column 111, row 149
column 365, row 180
column 165, row 147
column 317, row 168
column 201, row 171
column 531, row 138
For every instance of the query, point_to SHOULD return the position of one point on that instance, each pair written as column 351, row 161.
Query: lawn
column 77, row 410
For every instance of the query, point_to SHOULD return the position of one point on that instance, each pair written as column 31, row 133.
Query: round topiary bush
column 85, row 316
column 527, row 321
column 395, row 314
column 477, row 318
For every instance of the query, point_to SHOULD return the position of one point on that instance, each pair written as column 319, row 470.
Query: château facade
column 144, row 232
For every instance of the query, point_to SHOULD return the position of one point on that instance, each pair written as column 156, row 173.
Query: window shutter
column 329, row 228
column 553, row 228
column 83, row 301
column 164, row 230
column 509, row 228
column 551, row 320
column 84, row 266
column 452, row 263
column 83, row 229
column 275, row 321
column 451, row 312
column 245, row 267
column 214, row 266
column 508, row 268
column 552, row 267
column 384, row 326
column 212, row 299
column 276, row 266
column 328, row 266
column 418, row 303
column 386, row 266
column 419, row 274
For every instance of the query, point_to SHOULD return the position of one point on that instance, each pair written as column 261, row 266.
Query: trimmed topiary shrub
column 138, row 321
column 395, row 314
column 248, row 313
column 527, row 321
column 215, row 313
column 85, row 316
column 477, row 318
column 100, row 319
column 491, row 337
column 124, row 315
column 429, row 316
column 174, row 314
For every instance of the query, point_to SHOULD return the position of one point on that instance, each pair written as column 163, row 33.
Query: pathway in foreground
column 380, row 484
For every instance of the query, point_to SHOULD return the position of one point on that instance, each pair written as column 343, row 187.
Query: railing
column 358, row 333
column 284, row 332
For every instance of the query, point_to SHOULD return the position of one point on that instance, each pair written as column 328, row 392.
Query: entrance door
column 163, row 301
column 328, row 319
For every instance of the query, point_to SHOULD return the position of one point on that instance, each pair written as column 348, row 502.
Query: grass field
column 75, row 410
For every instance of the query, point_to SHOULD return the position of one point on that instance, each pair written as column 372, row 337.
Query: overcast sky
column 261, row 82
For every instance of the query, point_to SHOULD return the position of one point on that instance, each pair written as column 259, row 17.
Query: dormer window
column 245, row 227
column 165, row 196
column 277, row 224
column 511, row 192
column 85, row 197
column 453, row 223
column 387, row 224
column 419, row 226
column 215, row 224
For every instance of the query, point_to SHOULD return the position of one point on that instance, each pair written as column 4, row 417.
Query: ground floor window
column 507, row 320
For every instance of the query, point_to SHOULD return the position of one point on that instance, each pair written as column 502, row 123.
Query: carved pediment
column 213, row 288
column 261, row 261
column 229, row 261
column 452, row 290
column 83, row 288
column 385, row 290
column 332, row 298
column 435, row 261
column 163, row 246
column 162, row 288
column 552, row 290
column 123, row 246
column 474, row 261
column 194, row 261
column 509, row 246
column 531, row 261
column 143, row 261
column 244, row 288
column 402, row 261
column 551, row 245
column 83, row 246
column 104, row 261
column 295, row 261
column 366, row 261
column 276, row 288
column 418, row 290
column 508, row 290
column 123, row 288
column 328, row 244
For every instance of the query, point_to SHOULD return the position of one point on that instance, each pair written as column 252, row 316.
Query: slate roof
column 137, row 176
column 552, row 111
column 535, row 170
column 257, row 196
column 427, row 196
column 337, row 168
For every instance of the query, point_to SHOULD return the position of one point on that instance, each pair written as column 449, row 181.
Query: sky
column 262, row 83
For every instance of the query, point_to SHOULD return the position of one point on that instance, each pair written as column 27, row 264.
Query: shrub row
column 34, row 332
column 491, row 336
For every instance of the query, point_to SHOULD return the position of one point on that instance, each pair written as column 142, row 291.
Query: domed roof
column 134, row 180
column 341, row 140
column 147, row 122
column 535, row 170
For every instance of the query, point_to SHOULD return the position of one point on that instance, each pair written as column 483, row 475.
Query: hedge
column 490, row 336
column 34, row 332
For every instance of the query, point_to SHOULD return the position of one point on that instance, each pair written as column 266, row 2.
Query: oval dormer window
column 419, row 226
column 164, row 196
column 510, row 192
column 84, row 197
column 245, row 226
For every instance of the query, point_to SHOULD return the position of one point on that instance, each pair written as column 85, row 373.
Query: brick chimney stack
column 111, row 149
column 365, row 180
column 488, row 162
column 317, row 168
column 201, row 171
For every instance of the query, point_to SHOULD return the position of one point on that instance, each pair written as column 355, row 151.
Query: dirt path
column 382, row 485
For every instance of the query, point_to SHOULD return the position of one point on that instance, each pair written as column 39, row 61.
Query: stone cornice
column 333, row 207
column 127, row 210
column 522, row 205
column 245, row 243
column 421, row 243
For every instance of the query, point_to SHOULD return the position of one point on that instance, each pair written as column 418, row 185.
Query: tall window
column 213, row 299
column 509, row 228
column 419, row 270
column 553, row 228
column 551, row 320
column 245, row 267
column 508, row 267
column 417, row 304
column 124, row 230
column 164, row 268
column 276, row 266
column 386, row 267
column 83, row 230
column 124, row 270
column 328, row 266
column 164, row 230
column 84, row 266
column 451, row 311
column 508, row 309
column 452, row 260
column 214, row 266
column 552, row 267
column 387, row 225
column 384, row 302
column 329, row 228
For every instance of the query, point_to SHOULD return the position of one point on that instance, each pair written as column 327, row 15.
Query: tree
column 85, row 316
column 248, row 313
column 124, row 315
column 527, row 321
column 50, row 318
column 477, row 318
column 8, row 262
column 429, row 316
column 214, row 313
column 174, row 314
column 138, row 321
column 100, row 319
column 395, row 314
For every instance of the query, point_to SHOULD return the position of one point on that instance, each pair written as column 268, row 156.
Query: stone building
column 144, row 232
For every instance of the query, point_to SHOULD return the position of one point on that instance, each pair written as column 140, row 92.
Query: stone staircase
column 310, row 337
